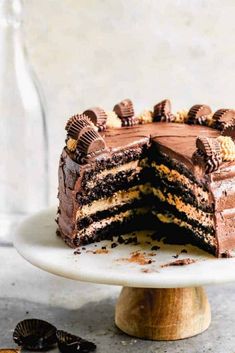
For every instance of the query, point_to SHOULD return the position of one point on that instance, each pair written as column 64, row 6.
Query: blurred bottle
column 23, row 138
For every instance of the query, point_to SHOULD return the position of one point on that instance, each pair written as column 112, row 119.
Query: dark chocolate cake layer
column 146, row 174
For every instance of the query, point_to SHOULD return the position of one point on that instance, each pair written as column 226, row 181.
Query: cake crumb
column 101, row 251
column 155, row 247
column 148, row 270
column 139, row 258
column 120, row 240
column 227, row 254
column 145, row 270
column 151, row 254
column 98, row 251
column 180, row 262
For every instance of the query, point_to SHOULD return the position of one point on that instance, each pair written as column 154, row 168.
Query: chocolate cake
column 171, row 173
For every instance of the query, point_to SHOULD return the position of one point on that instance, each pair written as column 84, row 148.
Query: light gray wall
column 96, row 52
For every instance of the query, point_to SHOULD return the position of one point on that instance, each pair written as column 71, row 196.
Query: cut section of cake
column 171, row 173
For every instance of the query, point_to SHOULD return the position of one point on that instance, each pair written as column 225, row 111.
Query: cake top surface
column 196, row 137
column 177, row 137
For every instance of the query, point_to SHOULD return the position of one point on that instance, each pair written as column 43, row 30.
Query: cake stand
column 158, row 301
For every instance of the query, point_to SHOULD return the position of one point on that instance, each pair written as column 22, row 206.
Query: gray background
column 96, row 52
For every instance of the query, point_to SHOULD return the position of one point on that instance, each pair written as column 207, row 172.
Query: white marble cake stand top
column 37, row 242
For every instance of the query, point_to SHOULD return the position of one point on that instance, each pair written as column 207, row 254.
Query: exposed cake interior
column 152, row 187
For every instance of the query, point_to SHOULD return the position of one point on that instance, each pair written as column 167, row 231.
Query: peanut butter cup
column 90, row 142
column 76, row 124
column 224, row 116
column 98, row 116
column 34, row 334
column 68, row 343
column 125, row 111
column 197, row 113
column 162, row 111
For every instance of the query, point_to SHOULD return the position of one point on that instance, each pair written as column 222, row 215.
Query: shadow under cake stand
column 157, row 302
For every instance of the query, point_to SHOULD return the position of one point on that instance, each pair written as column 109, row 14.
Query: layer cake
column 171, row 173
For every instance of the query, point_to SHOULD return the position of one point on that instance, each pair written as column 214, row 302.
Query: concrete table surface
column 88, row 310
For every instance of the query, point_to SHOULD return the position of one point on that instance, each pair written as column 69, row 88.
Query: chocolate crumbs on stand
column 120, row 240
column 98, row 251
column 227, row 254
column 155, row 247
column 151, row 254
column 131, row 240
column 141, row 258
column 114, row 245
column 147, row 270
column 181, row 262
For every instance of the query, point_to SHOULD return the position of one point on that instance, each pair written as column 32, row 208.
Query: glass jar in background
column 23, row 137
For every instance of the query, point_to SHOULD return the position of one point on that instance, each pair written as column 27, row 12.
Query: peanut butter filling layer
column 170, row 218
column 123, row 197
column 176, row 201
column 131, row 166
column 119, row 198
column 95, row 226
column 173, row 175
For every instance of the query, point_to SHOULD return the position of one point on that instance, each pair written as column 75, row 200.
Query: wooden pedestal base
column 163, row 314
